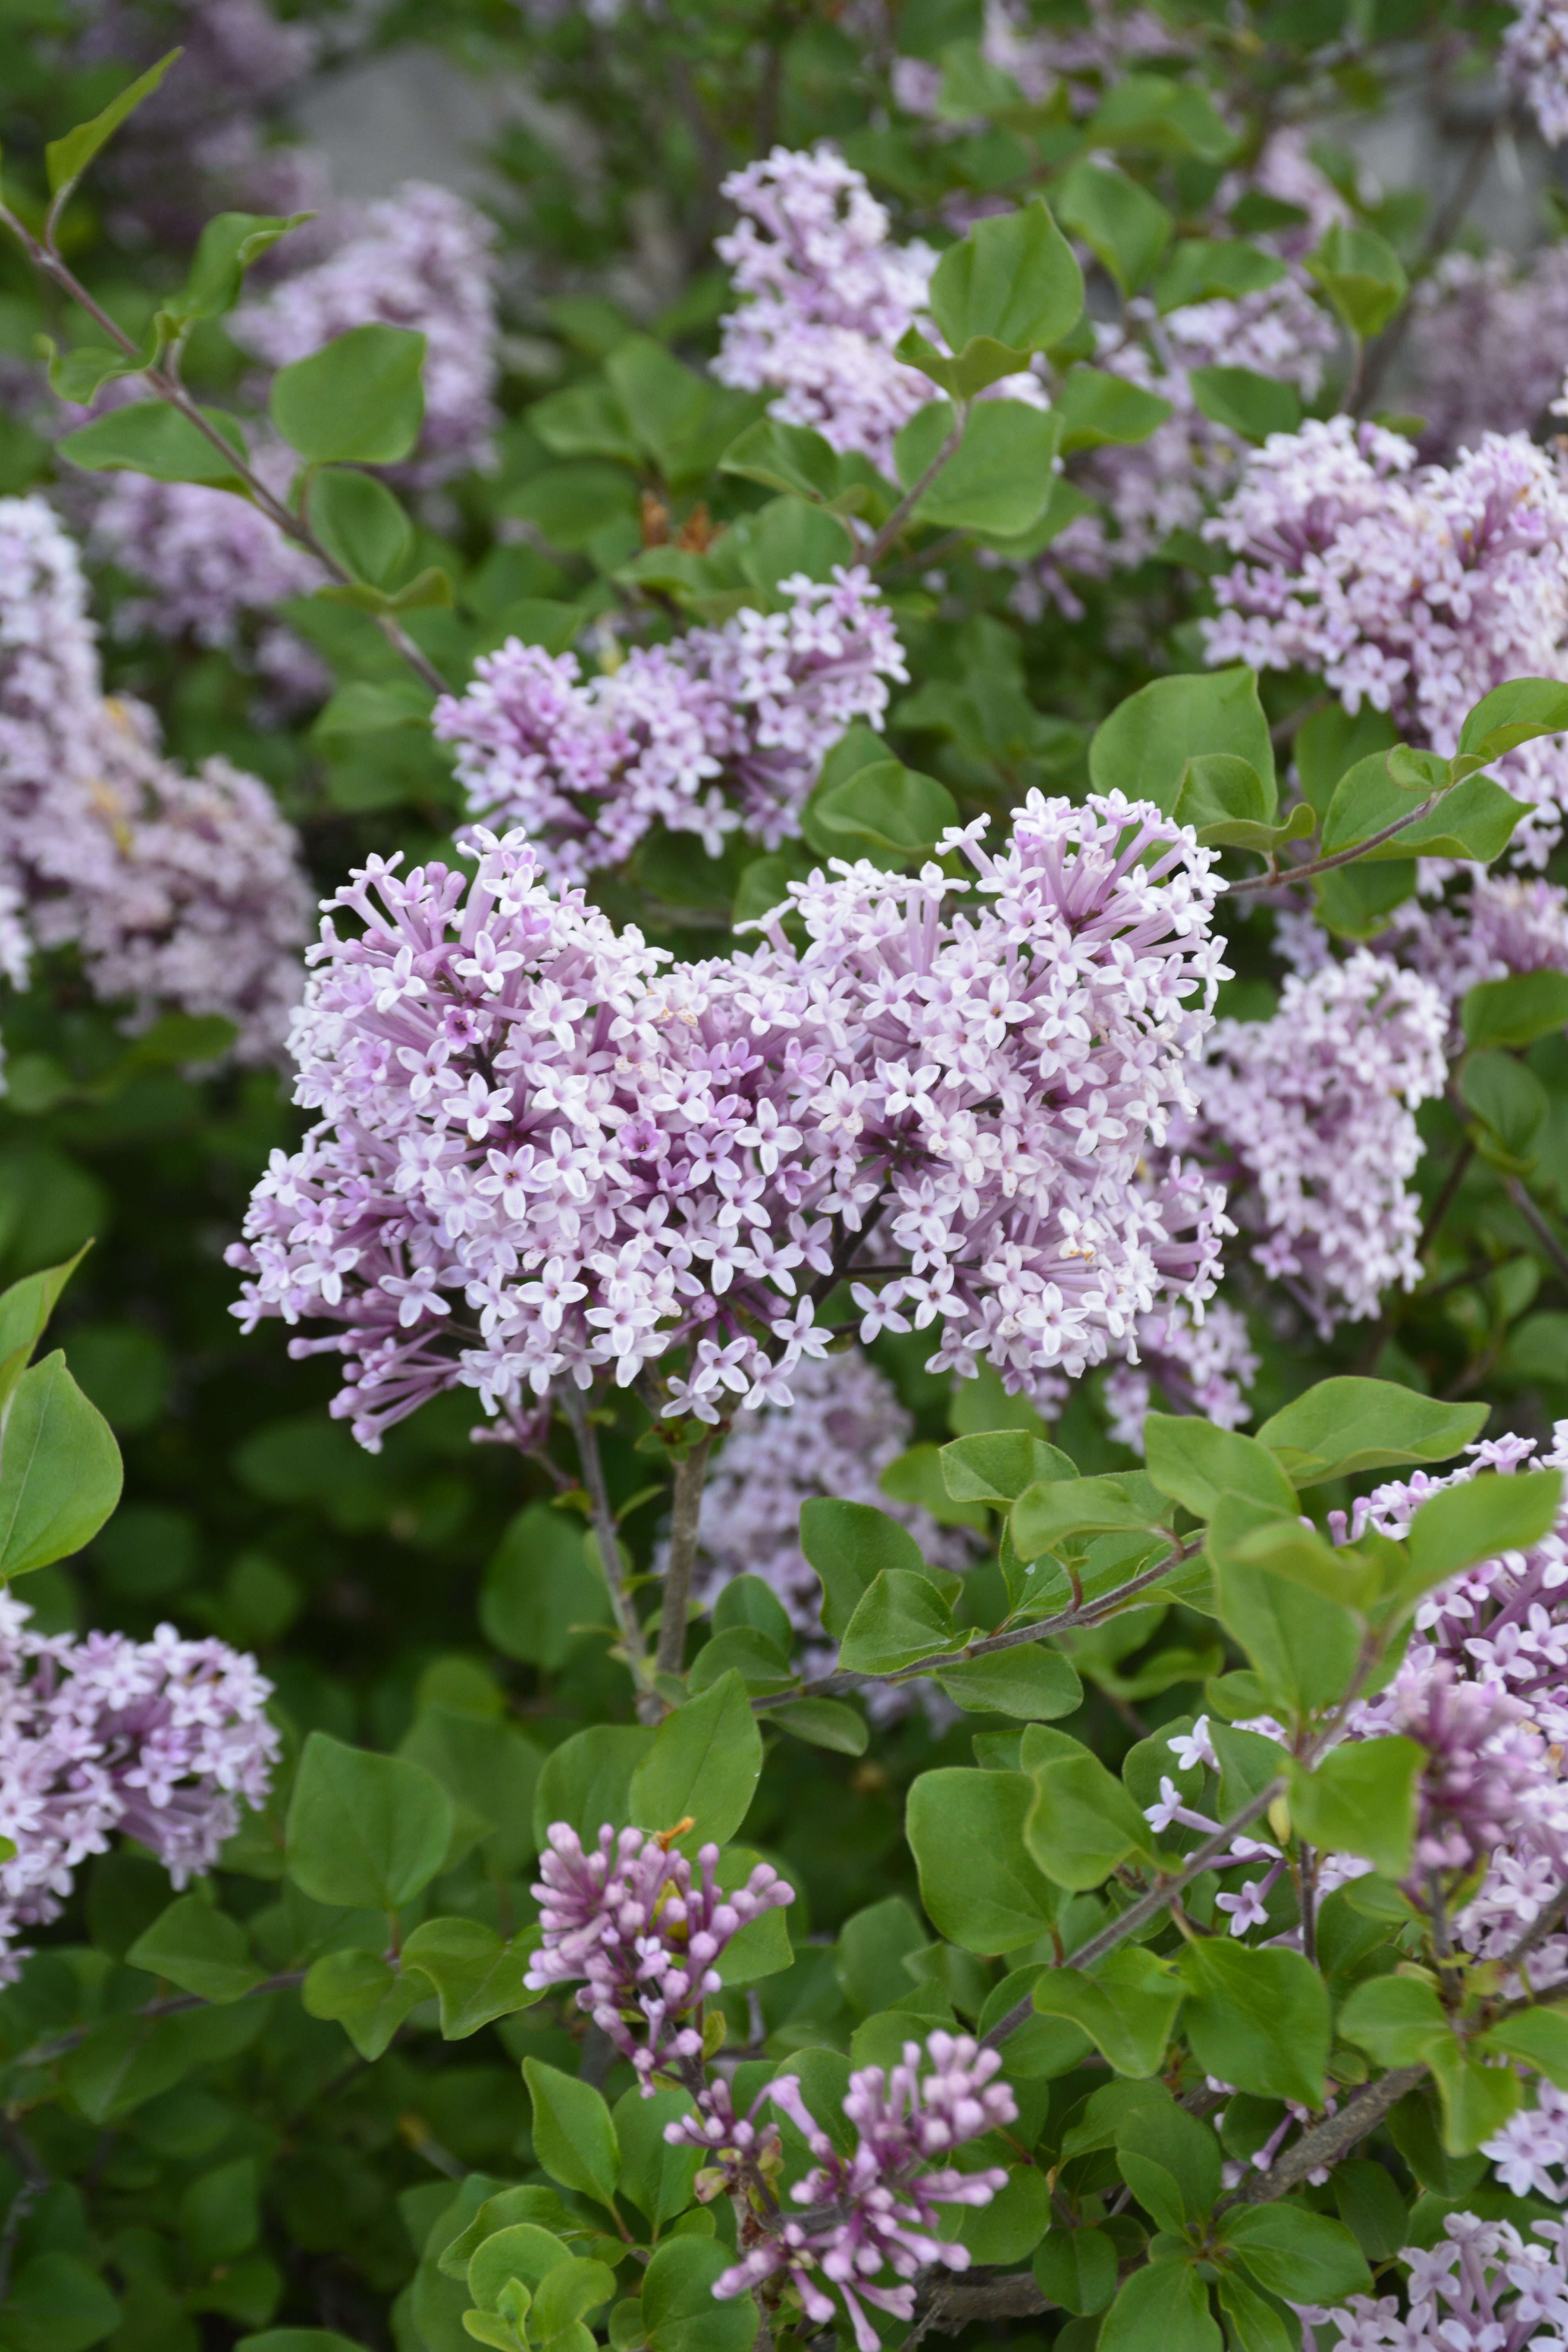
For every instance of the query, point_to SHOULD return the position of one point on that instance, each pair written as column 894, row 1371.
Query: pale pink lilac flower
column 726, row 727
column 179, row 891
column 874, row 2209
column 1535, row 62
column 1498, row 925
column 1414, row 589
column 1530, row 2152
column 1205, row 1367
column 157, row 1741
column 545, row 1151
column 423, row 260
column 1483, row 2288
column 1517, row 316
column 1311, row 1114
column 645, row 1934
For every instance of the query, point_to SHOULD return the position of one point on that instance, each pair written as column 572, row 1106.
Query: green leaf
column 1253, row 2323
column 59, row 1470
column 1229, row 805
column 1201, row 270
column 362, row 707
column 1163, row 118
column 567, row 2294
column 1396, row 2019
column 1123, row 224
column 1076, row 2268
column 681, row 2311
column 1514, row 714
column 1143, row 748
column 850, row 1545
column 1127, row 2006
column 357, row 400
column 1045, row 1514
column 1517, row 1011
column 573, row 2135
column 1251, row 404
column 198, row 1947
column 297, row 2340
column 902, row 1618
column 886, row 812
column 1083, row 1822
column 1483, row 1517
column 1371, row 2208
column 1301, row 2256
column 365, row 1830
column 150, row 437
column 65, row 160
column 999, row 478
column 1028, row 1680
column 1172, row 2164
column 1478, row 2096
column 1011, row 2226
column 1472, row 820
column 523, row 2250
column 24, row 1310
column 227, row 245
column 1195, row 1463
column 823, row 1723
column 1259, row 2019
column 1096, row 407
column 359, row 524
column 1363, row 277
column 795, row 459
column 761, row 1665
column 979, row 1884
column 1361, row 1799
column 997, row 1464
column 476, row 1976
column 1512, row 1105
column 1538, row 2038
column 1276, row 1590
column 1011, row 280
column 586, row 1781
column 362, row 1994
column 55, row 2303
column 541, row 1591
column 1342, row 1426
column 489, row 1772
column 703, row 1765
column 1163, row 2308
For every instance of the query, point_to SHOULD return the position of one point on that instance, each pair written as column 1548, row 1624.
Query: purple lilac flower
column 1518, row 315
column 1205, row 1367
column 874, row 2209
column 547, row 1152
column 156, row 1739
column 177, row 890
column 1483, row 2288
column 1312, row 1112
column 725, row 727
column 1530, row 2152
column 1534, row 61
column 1413, row 589
column 423, row 260
column 1105, row 40
column 629, row 1918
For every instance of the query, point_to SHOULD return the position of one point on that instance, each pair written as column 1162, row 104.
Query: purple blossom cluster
column 423, row 258
column 874, row 2209
column 178, row 891
column 546, row 1152
column 1204, row 1367
column 1483, row 2288
column 1518, row 315
column 726, row 727
column 1105, row 39
column 1311, row 1114
column 828, row 295
column 1530, row 2152
column 629, row 1918
column 1413, row 589
column 1495, row 925
column 1535, row 62
column 158, row 1740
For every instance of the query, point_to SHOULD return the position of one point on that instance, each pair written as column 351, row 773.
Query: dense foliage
column 924, row 679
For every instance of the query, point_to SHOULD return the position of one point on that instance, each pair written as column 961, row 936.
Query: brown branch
column 685, row 1511
column 35, row 2180
column 1538, row 1225
column 1331, row 2139
column 574, row 1405
column 44, row 2054
column 1275, row 875
column 953, row 2303
column 911, row 498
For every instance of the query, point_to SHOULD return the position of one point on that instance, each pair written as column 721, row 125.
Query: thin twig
column 1538, row 1225
column 44, row 2054
column 685, row 1508
column 1276, row 875
column 574, row 1405
column 911, row 498
column 34, row 2181
column 168, row 388
column 1331, row 2139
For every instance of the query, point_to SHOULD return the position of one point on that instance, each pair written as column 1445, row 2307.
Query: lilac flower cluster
column 548, row 1151
column 422, row 259
column 726, row 727
column 204, row 558
column 178, row 891
column 828, row 295
column 1534, row 61
column 1498, row 925
column 1199, row 1367
column 156, row 1739
column 1105, row 40
column 1483, row 2288
column 628, row 1916
column 1311, row 1113
column 1413, row 589
column 874, row 2209
column 1518, row 315
column 1530, row 2152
